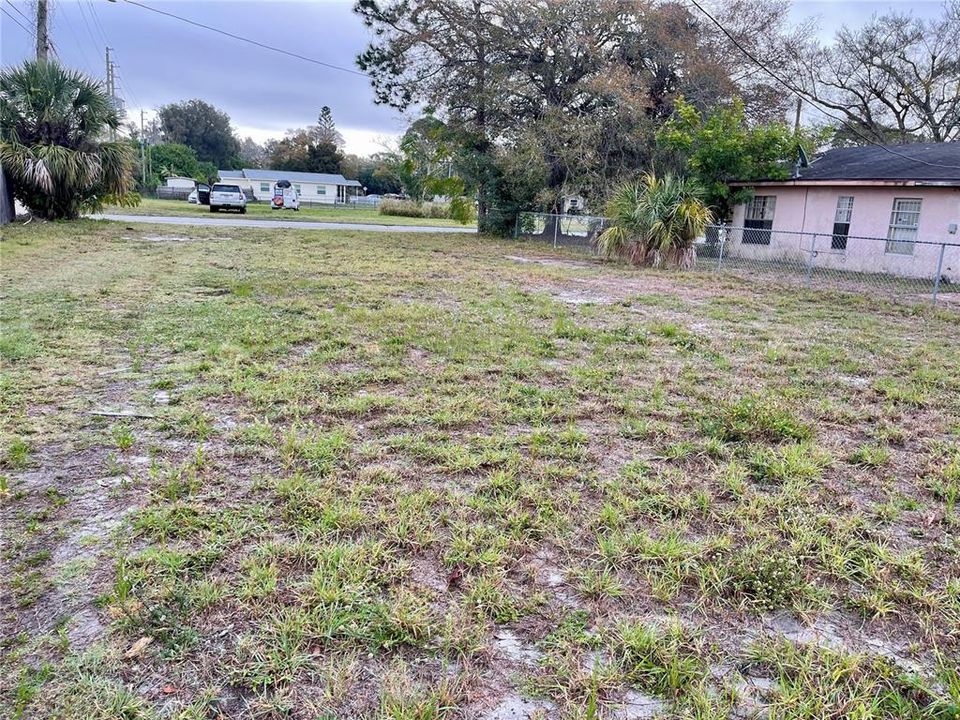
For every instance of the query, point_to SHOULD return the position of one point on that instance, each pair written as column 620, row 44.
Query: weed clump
column 801, row 463
column 754, row 418
column 767, row 580
column 663, row 661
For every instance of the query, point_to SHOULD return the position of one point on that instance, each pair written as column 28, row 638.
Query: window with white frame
column 297, row 188
column 264, row 187
column 321, row 189
column 758, row 219
column 904, row 221
column 841, row 222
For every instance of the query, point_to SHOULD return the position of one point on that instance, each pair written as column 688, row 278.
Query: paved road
column 239, row 221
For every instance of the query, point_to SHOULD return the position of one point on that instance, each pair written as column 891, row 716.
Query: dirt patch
column 514, row 707
column 551, row 262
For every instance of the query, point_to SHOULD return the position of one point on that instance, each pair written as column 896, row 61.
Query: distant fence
column 914, row 270
column 172, row 193
column 575, row 231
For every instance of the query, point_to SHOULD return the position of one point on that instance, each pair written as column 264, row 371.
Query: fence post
column 556, row 224
column 813, row 252
column 723, row 240
column 936, row 280
column 516, row 228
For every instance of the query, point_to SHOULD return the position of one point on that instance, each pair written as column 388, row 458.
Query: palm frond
column 655, row 221
column 52, row 124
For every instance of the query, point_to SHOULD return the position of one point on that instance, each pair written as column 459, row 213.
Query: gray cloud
column 162, row 60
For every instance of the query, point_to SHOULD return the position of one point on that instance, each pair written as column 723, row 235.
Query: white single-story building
column 325, row 188
column 180, row 182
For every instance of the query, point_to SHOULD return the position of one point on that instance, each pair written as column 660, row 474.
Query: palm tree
column 53, row 147
column 655, row 222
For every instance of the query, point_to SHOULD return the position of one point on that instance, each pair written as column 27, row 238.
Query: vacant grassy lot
column 262, row 211
column 336, row 475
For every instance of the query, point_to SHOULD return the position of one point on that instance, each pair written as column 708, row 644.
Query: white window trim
column 907, row 245
column 769, row 207
column 845, row 208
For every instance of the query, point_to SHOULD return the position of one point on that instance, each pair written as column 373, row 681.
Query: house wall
column 802, row 211
column 183, row 183
column 307, row 191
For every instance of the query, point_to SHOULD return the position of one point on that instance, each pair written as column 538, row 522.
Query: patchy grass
column 263, row 211
column 302, row 474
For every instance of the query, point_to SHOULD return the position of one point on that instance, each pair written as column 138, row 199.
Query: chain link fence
column 913, row 270
column 572, row 231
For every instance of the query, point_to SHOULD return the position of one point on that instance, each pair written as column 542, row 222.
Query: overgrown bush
column 461, row 208
column 409, row 208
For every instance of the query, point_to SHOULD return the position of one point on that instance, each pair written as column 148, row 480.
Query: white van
column 284, row 196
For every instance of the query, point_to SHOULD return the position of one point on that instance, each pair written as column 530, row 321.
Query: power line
column 80, row 47
column 18, row 23
column 250, row 41
column 817, row 103
column 19, row 12
column 96, row 21
column 96, row 43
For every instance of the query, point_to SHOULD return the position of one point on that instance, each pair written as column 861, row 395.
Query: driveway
column 239, row 221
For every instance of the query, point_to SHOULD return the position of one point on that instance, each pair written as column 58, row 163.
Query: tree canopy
column 201, row 126
column 719, row 147
column 576, row 89
column 896, row 79
column 53, row 141
column 315, row 148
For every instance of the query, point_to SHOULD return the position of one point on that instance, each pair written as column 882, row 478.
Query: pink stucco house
column 862, row 209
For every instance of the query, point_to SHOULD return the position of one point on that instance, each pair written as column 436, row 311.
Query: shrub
column 409, row 208
column 52, row 124
column 655, row 222
column 463, row 210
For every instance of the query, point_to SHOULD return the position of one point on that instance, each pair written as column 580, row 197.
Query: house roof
column 914, row 164
column 274, row 175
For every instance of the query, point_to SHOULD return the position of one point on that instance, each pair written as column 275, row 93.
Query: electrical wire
column 81, row 49
column 249, row 40
column 96, row 43
column 817, row 104
column 126, row 88
column 19, row 24
column 96, row 21
column 20, row 12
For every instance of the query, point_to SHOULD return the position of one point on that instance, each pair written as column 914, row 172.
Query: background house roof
column 905, row 162
column 274, row 175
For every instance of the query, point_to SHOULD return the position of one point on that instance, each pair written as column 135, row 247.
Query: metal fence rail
column 574, row 231
column 914, row 271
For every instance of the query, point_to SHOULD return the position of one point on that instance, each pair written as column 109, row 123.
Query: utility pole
column 143, row 153
column 796, row 124
column 109, row 74
column 111, row 90
column 43, row 35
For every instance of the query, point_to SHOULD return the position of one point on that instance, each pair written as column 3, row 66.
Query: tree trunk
column 7, row 209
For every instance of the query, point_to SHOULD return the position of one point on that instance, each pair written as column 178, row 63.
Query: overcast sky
column 163, row 60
